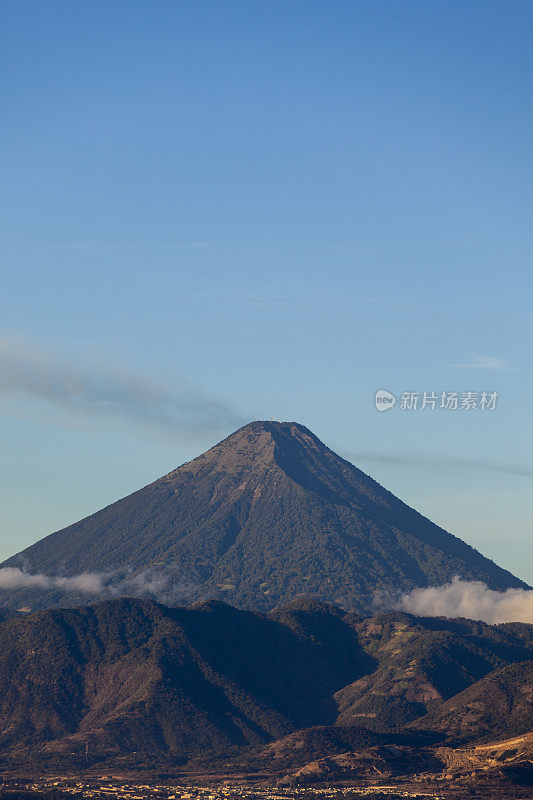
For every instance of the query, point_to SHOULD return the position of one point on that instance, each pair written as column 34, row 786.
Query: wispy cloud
column 161, row 585
column 15, row 578
column 93, row 390
column 470, row 599
column 422, row 460
column 483, row 362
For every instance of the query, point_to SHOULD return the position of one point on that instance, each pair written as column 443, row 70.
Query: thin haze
column 440, row 462
column 95, row 391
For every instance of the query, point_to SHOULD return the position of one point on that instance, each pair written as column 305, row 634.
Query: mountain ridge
column 131, row 675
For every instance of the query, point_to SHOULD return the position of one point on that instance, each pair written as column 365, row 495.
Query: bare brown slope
column 500, row 703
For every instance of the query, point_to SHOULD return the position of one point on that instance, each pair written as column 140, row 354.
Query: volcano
column 266, row 515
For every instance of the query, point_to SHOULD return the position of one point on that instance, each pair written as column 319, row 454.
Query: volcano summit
column 265, row 515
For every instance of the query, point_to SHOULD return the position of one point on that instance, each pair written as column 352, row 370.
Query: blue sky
column 214, row 212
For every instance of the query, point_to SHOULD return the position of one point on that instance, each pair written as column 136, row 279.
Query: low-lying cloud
column 161, row 585
column 470, row 599
column 15, row 578
column 93, row 390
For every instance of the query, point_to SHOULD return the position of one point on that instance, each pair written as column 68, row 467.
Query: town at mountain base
column 264, row 516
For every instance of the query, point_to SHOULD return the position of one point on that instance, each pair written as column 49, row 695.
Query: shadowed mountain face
column 130, row 675
column 133, row 675
column 267, row 514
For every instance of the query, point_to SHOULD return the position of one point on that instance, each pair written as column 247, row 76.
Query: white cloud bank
column 471, row 599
